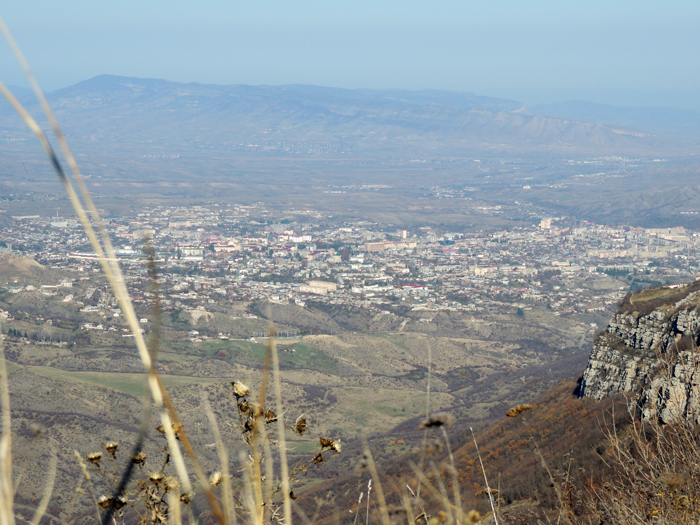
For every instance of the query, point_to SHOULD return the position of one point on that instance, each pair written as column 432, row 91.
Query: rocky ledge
column 651, row 358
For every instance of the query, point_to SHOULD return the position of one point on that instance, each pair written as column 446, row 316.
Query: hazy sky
column 614, row 51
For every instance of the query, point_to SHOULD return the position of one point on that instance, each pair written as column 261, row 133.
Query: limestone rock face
column 651, row 359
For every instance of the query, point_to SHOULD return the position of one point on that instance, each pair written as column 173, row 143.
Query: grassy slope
column 562, row 425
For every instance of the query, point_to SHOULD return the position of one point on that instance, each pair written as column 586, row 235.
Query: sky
column 619, row 52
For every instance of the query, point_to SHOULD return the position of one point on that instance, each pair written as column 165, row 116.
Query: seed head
column 330, row 444
column 270, row 416
column 186, row 498
column 155, row 477
column 172, row 483
column 300, row 425
column 94, row 457
column 105, row 502
column 244, row 408
column 139, row 458
column 215, row 478
column 319, row 458
column 177, row 429
column 438, row 419
column 111, row 447
column 240, row 389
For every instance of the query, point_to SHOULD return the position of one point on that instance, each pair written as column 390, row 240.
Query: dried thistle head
column 178, row 429
column 105, row 502
column 487, row 491
column 171, row 483
column 94, row 457
column 473, row 517
column 438, row 419
column 330, row 444
column 244, row 408
column 319, row 458
column 270, row 416
column 517, row 410
column 112, row 447
column 186, row 498
column 155, row 477
column 300, row 425
column 139, row 459
column 240, row 389
column 215, row 478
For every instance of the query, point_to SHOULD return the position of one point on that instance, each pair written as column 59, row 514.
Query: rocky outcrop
column 652, row 359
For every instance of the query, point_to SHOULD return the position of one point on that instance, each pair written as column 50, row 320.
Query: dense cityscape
column 210, row 254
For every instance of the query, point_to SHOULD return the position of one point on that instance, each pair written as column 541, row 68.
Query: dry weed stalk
column 486, row 481
column 7, row 516
column 656, row 475
column 106, row 256
column 157, row 502
column 257, row 430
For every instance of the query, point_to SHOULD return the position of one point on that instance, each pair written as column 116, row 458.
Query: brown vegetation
column 649, row 299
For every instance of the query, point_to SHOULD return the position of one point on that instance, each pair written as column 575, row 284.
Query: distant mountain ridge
column 665, row 121
column 149, row 111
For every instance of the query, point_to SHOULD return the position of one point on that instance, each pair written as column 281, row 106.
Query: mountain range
column 112, row 109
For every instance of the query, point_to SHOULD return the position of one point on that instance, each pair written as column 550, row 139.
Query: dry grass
column 656, row 476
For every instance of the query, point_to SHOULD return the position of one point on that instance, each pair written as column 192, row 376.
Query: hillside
column 311, row 119
column 573, row 447
column 663, row 121
column 567, row 429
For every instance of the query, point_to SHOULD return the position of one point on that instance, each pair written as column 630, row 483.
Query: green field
column 132, row 384
column 253, row 354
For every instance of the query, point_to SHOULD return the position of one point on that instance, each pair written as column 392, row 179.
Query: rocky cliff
column 649, row 353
